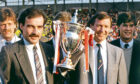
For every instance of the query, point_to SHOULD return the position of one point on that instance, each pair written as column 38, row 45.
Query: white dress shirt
column 29, row 49
column 123, row 43
column 1, row 81
column 104, row 57
column 3, row 41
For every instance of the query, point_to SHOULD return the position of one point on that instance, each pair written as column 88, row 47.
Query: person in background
column 127, row 23
column 28, row 60
column 63, row 16
column 8, row 26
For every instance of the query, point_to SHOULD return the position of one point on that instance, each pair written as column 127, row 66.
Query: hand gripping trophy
column 70, row 39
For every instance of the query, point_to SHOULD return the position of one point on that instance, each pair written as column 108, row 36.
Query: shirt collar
column 12, row 41
column 29, row 45
column 122, row 43
column 103, row 43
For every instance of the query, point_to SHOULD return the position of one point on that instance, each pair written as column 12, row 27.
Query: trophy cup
column 70, row 42
column 69, row 39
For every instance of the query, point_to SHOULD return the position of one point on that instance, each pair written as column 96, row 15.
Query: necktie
column 100, row 66
column 39, row 74
column 126, row 45
column 7, row 43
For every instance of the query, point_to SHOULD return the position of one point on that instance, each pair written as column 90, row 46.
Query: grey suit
column 116, row 68
column 16, row 66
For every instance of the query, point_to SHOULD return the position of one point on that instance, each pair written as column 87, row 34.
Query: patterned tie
column 126, row 46
column 100, row 66
column 39, row 74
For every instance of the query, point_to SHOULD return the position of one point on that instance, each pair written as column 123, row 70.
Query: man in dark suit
column 106, row 61
column 126, row 23
column 28, row 61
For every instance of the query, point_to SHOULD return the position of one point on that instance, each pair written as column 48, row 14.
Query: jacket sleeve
column 5, row 64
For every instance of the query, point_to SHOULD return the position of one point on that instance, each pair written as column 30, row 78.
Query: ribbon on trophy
column 88, row 32
column 57, row 45
column 86, row 51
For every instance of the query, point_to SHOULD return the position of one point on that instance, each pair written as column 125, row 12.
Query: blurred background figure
column 63, row 16
column 8, row 26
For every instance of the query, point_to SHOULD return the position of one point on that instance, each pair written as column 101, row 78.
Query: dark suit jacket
column 134, row 75
column 1, row 77
column 16, row 66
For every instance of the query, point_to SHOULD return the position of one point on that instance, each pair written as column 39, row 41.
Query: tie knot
column 7, row 43
column 34, row 48
column 126, row 45
column 99, row 45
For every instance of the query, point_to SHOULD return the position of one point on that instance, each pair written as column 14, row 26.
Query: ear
column 21, row 26
column 15, row 27
column 90, row 25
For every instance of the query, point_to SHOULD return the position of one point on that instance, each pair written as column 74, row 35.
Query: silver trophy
column 70, row 42
column 69, row 37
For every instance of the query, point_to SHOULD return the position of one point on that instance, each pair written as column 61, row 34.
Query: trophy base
column 65, row 66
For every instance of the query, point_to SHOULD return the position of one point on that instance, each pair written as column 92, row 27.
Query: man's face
column 32, row 29
column 126, row 31
column 101, row 28
column 7, row 29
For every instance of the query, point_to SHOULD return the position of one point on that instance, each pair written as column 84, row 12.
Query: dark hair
column 30, row 13
column 125, row 18
column 100, row 16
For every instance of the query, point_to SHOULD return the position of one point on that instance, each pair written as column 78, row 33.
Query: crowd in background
column 83, row 17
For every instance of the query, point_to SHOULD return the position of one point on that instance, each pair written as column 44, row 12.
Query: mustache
column 33, row 35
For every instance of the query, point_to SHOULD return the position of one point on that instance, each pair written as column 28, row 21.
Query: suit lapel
column 91, row 59
column 118, row 43
column 110, row 62
column 46, row 57
column 24, row 62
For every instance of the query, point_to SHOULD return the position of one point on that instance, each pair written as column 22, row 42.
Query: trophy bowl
column 70, row 42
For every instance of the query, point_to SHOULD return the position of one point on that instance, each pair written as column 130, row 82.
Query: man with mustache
column 106, row 61
column 28, row 61
column 8, row 25
column 126, row 23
